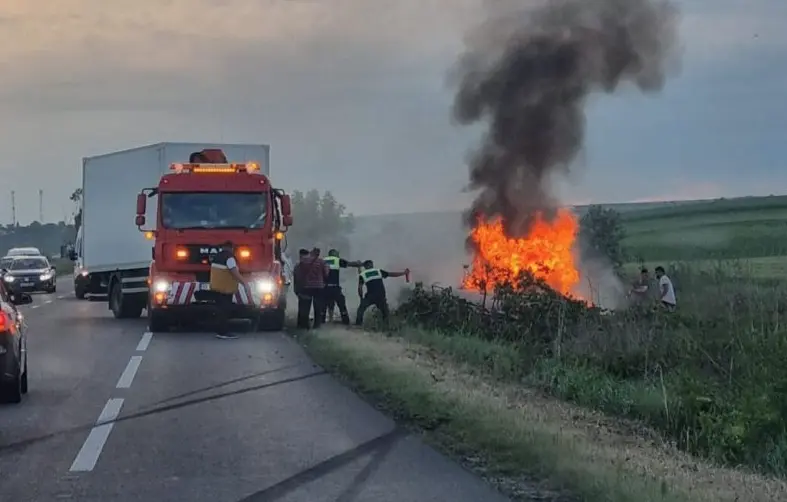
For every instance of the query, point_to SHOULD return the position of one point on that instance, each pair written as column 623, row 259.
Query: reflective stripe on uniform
column 372, row 274
column 332, row 262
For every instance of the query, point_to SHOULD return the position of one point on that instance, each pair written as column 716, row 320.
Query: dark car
column 13, row 347
column 29, row 274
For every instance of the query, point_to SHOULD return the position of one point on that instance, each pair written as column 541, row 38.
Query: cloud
column 153, row 54
column 723, row 29
column 350, row 93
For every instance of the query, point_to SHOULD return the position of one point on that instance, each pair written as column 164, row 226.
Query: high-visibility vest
column 221, row 278
column 371, row 274
column 333, row 262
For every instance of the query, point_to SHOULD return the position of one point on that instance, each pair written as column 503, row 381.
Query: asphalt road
column 190, row 417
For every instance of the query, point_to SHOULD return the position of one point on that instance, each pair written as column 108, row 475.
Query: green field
column 723, row 229
column 767, row 267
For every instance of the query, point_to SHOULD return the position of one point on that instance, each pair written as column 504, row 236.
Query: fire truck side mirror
column 139, row 220
column 286, row 206
column 286, row 220
column 142, row 206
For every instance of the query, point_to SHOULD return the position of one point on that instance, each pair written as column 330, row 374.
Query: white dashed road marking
column 128, row 374
column 48, row 301
column 34, row 306
column 88, row 455
column 143, row 344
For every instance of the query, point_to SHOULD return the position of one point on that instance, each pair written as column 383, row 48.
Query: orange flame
column 546, row 252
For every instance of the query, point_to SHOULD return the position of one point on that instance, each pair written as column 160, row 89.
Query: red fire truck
column 200, row 205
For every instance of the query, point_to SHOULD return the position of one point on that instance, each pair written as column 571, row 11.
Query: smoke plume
column 527, row 74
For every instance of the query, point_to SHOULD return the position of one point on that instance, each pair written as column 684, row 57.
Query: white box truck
column 110, row 247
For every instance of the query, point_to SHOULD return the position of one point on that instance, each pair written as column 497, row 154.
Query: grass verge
column 523, row 442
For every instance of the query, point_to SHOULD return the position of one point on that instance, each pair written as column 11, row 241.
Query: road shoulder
column 512, row 436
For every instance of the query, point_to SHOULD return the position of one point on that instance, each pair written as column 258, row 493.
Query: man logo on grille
column 210, row 251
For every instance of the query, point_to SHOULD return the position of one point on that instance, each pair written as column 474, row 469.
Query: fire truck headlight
column 265, row 286
column 161, row 286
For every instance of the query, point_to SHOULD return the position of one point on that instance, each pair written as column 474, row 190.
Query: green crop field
column 724, row 229
column 768, row 267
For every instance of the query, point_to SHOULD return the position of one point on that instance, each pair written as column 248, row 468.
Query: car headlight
column 9, row 278
column 161, row 286
column 265, row 286
column 45, row 277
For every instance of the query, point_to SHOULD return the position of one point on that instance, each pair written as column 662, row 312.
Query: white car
column 31, row 251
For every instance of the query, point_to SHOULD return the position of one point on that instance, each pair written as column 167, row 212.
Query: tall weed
column 713, row 375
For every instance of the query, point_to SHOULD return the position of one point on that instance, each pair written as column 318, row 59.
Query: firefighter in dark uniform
column 373, row 279
column 299, row 285
column 333, row 290
column 224, row 281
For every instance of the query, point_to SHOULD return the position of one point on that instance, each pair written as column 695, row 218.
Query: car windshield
column 214, row 210
column 28, row 263
column 6, row 262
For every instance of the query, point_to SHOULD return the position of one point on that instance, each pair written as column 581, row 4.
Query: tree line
column 320, row 221
column 48, row 237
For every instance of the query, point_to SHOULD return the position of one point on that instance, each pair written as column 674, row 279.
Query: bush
column 602, row 235
column 712, row 375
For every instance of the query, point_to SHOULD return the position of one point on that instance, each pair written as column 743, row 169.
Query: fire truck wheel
column 269, row 321
column 157, row 323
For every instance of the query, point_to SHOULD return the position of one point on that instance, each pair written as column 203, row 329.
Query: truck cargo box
column 110, row 184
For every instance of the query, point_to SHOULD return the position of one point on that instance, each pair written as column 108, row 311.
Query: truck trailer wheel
column 123, row 307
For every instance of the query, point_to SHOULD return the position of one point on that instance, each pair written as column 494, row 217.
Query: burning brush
column 528, row 74
column 547, row 253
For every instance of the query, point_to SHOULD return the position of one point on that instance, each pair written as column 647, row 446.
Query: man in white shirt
column 666, row 289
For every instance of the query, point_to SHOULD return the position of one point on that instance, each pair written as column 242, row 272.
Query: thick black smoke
column 528, row 74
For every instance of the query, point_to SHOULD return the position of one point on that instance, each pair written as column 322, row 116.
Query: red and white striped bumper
column 182, row 293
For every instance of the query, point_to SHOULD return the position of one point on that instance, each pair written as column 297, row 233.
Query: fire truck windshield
column 185, row 210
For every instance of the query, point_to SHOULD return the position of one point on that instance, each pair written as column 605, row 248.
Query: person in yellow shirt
column 224, row 281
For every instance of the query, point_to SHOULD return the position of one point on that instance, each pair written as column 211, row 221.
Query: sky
column 352, row 97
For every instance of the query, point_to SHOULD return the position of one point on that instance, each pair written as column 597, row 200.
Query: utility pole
column 41, row 206
column 13, row 208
